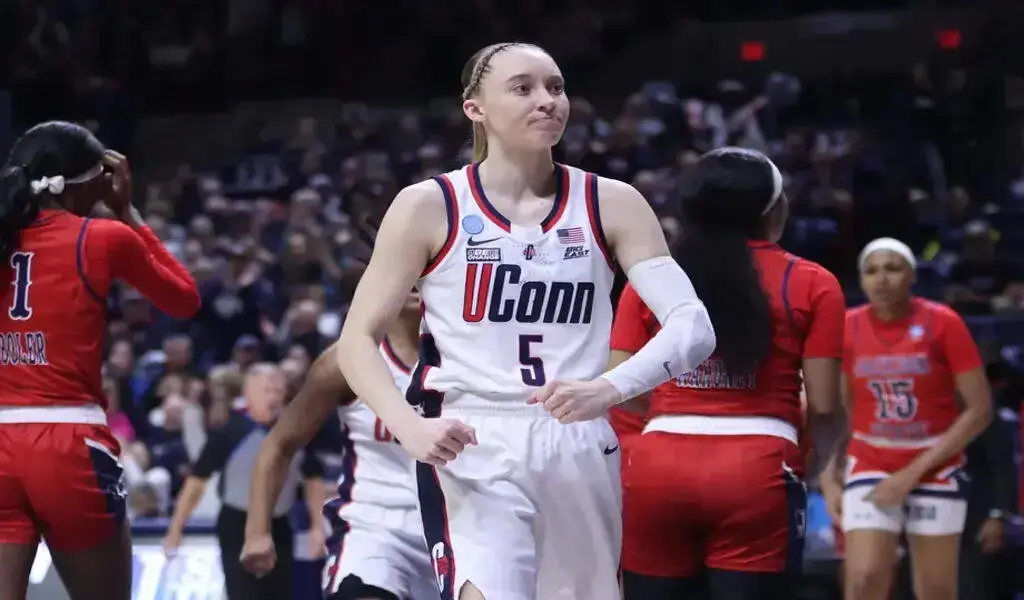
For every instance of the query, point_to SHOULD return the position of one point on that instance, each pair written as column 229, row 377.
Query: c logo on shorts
column 442, row 564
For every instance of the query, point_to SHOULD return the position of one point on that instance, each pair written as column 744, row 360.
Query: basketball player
column 375, row 550
column 60, row 472
column 513, row 257
column 905, row 361
column 732, row 521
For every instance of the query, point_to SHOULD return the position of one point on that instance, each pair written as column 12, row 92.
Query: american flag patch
column 571, row 235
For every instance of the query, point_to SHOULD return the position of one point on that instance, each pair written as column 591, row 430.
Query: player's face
column 522, row 99
column 886, row 278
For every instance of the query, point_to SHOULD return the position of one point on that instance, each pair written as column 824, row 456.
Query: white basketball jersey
column 508, row 308
column 376, row 470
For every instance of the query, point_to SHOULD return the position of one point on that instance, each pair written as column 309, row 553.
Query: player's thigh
column 870, row 559
column 762, row 509
column 103, row 571
column 18, row 459
column 934, row 526
column 578, row 491
column 15, row 567
column 81, row 499
column 652, row 587
column 478, row 523
column 662, row 521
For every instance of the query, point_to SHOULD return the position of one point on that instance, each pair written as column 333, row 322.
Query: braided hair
column 472, row 75
column 41, row 160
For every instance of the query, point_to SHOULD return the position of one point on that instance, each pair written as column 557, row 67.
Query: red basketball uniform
column 60, row 475
column 714, row 480
column 901, row 376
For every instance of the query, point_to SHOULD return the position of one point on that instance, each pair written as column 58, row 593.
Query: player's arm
column 687, row 337
column 137, row 257
column 322, row 391
column 827, row 418
column 835, row 470
column 965, row 362
column 413, row 229
column 212, row 458
column 629, row 334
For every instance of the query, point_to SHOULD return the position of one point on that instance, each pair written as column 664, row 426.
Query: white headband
column 55, row 185
column 776, row 186
column 890, row 245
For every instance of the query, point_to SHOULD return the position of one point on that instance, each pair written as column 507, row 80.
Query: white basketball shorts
column 382, row 547
column 531, row 513
column 924, row 512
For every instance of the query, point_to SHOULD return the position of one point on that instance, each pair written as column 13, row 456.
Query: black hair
column 46, row 150
column 722, row 210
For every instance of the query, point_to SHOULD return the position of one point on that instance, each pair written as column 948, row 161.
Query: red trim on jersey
column 389, row 350
column 561, row 199
column 594, row 216
column 477, row 189
column 452, row 208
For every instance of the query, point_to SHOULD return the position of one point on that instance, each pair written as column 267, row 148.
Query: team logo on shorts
column 441, row 560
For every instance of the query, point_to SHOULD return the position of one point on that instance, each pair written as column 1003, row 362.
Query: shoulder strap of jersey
column 451, row 206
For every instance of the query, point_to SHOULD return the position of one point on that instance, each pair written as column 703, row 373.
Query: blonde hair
column 472, row 74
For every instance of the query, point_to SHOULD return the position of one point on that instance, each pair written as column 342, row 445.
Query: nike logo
column 668, row 371
column 611, row 450
column 473, row 242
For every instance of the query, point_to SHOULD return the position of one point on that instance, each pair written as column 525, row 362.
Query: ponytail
column 479, row 142
column 19, row 207
column 721, row 266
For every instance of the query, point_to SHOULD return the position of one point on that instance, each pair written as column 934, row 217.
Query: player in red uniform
column 713, row 502
column 905, row 361
column 60, row 473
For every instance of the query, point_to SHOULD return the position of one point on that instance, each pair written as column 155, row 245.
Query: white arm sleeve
column 686, row 338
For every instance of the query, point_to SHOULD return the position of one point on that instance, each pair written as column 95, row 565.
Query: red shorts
column 723, row 502
column 63, row 482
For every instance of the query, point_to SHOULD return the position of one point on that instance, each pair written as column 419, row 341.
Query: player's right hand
column 258, row 554
column 118, row 178
column 436, row 441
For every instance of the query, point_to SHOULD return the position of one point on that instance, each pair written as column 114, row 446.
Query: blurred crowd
column 277, row 236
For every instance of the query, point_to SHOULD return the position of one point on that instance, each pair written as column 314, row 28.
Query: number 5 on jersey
column 21, row 267
column 533, row 366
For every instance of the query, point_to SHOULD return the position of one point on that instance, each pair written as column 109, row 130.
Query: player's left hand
column 572, row 401
column 893, row 490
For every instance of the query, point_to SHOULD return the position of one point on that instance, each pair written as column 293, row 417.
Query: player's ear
column 472, row 110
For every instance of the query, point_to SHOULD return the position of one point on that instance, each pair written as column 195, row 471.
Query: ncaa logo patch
column 472, row 224
column 916, row 332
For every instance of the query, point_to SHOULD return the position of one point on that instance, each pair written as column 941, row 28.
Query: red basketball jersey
column 902, row 381
column 807, row 308
column 53, row 303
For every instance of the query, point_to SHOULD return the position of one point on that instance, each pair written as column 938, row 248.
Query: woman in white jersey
column 513, row 258
column 375, row 548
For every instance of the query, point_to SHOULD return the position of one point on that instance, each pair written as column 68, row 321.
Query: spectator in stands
column 981, row 282
column 177, row 374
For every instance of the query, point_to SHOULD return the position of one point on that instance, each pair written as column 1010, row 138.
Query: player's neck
column 889, row 313
column 510, row 174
